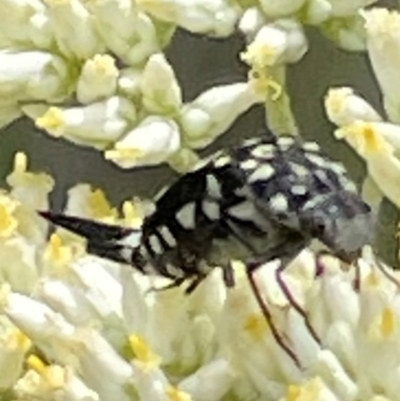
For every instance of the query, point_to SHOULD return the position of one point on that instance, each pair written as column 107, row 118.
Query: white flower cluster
column 78, row 328
column 375, row 138
column 93, row 72
column 74, row 327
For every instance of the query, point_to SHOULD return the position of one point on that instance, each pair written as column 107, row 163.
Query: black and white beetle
column 266, row 199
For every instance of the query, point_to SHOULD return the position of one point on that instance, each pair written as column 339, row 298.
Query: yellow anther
column 128, row 154
column 20, row 162
column 103, row 64
column 143, row 353
column 99, row 205
column 56, row 251
column 176, row 395
column 293, row 393
column 388, row 322
column 372, row 279
column 52, row 121
column 256, row 326
column 36, row 363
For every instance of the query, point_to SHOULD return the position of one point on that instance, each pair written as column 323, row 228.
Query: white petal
column 211, row 114
column 74, row 29
column 32, row 75
column 279, row 8
column 150, row 143
column 98, row 79
column 383, row 44
column 160, row 89
column 216, row 17
column 97, row 124
column 344, row 107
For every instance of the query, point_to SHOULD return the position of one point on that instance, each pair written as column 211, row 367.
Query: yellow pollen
column 18, row 340
column 256, row 326
column 132, row 213
column 56, row 251
column 365, row 138
column 382, row 23
column 372, row 280
column 310, row 391
column 293, row 393
column 20, row 162
column 336, row 99
column 99, row 205
column 37, row 364
column 123, row 154
column 388, row 322
column 8, row 223
column 373, row 141
column 259, row 55
column 52, row 121
column 103, row 64
column 143, row 353
column 176, row 395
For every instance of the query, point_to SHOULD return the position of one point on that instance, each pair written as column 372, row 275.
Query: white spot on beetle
column 174, row 271
column 132, row 240
column 155, row 244
column 250, row 142
column 243, row 211
column 222, row 161
column 186, row 216
column 167, row 236
column 311, row 147
column 211, row 210
column 213, row 187
column 299, row 170
column 266, row 151
column 279, row 203
column 249, row 164
column 298, row 189
column 285, row 142
column 263, row 173
column 317, row 160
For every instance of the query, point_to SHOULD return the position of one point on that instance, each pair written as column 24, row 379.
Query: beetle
column 265, row 199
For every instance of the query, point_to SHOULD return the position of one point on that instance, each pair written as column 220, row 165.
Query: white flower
column 33, row 75
column 98, row 79
column 317, row 11
column 74, row 29
column 280, row 8
column 348, row 33
column 344, row 8
column 211, row 382
column 251, row 22
column 128, row 33
column 97, row 320
column 153, row 141
column 215, row 17
column 27, row 23
column 47, row 382
column 383, row 43
column 97, row 124
column 212, row 112
column 282, row 41
column 378, row 144
column 344, row 107
column 161, row 93
column 83, row 200
column 129, row 82
column 13, row 348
